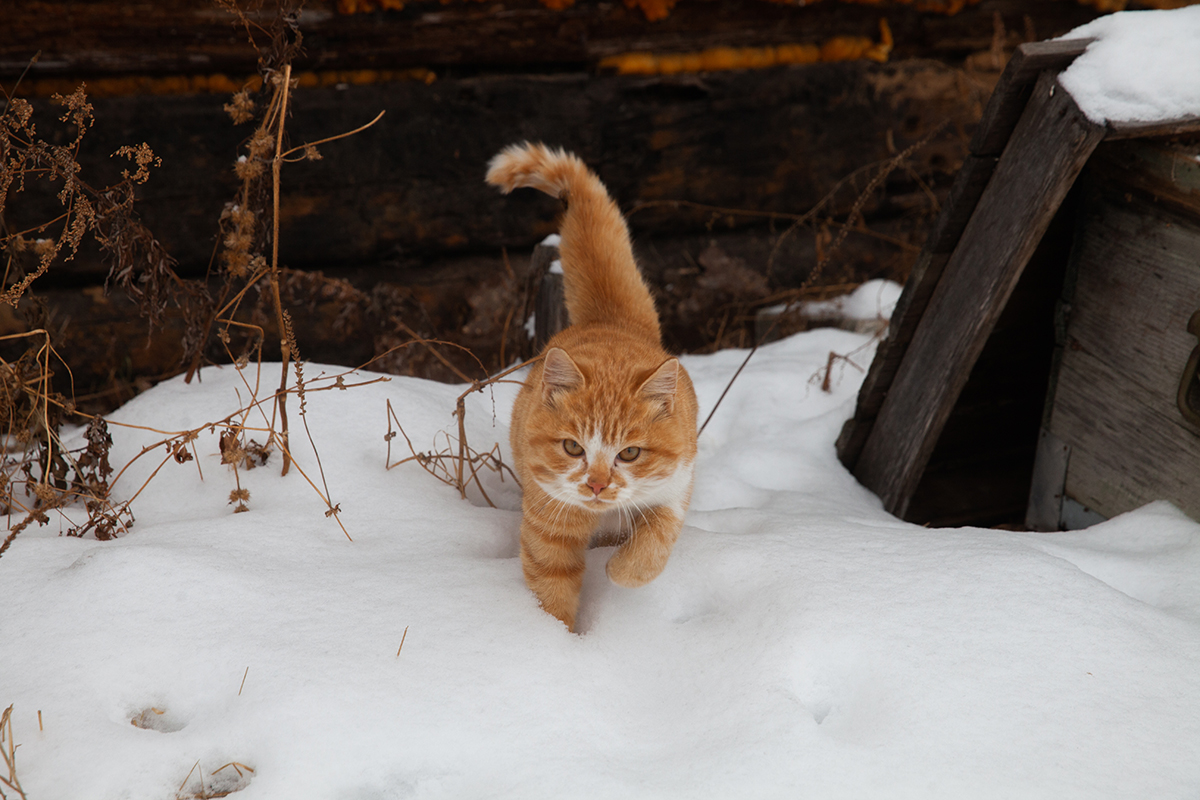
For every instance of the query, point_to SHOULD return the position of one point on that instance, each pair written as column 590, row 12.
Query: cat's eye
column 573, row 448
column 629, row 453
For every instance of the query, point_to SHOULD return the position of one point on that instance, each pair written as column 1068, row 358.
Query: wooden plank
column 1136, row 129
column 999, row 118
column 964, row 195
column 1049, row 478
column 905, row 317
column 1166, row 171
column 1137, row 286
column 1008, row 99
column 1129, row 444
column 1048, row 149
column 980, row 471
column 1126, row 345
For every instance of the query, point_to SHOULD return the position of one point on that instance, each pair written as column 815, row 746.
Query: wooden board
column 1000, row 117
column 1114, row 403
column 1008, row 101
column 1048, row 149
column 551, row 305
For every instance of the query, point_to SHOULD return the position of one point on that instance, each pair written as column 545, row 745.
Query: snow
column 800, row 643
column 1143, row 66
column 872, row 300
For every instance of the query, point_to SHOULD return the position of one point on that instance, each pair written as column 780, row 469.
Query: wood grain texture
column 1136, row 129
column 412, row 185
column 1167, row 171
column 988, row 444
column 1011, row 94
column 1048, row 149
column 1129, row 445
column 1049, row 478
column 956, row 212
column 1114, row 404
column 905, row 317
column 104, row 37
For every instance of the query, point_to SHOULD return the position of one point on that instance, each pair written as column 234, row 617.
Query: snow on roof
column 1144, row 66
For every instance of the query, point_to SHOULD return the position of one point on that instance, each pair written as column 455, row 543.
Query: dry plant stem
column 327, row 139
column 237, row 767
column 281, row 395
column 9, row 752
column 851, row 220
column 281, row 155
column 434, row 462
column 465, row 458
column 403, row 636
column 190, row 771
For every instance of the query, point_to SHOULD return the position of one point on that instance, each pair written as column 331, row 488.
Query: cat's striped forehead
column 610, row 413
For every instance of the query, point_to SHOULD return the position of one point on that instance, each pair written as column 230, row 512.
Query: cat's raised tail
column 601, row 280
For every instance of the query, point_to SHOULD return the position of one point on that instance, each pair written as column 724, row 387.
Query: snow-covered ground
column 801, row 642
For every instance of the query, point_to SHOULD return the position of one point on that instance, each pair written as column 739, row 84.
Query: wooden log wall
column 711, row 166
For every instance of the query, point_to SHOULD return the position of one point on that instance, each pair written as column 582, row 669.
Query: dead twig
column 851, row 219
column 8, row 751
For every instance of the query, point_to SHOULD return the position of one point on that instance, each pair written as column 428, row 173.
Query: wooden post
column 550, row 311
column 1048, row 148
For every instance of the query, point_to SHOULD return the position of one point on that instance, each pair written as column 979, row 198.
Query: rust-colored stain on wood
column 714, row 59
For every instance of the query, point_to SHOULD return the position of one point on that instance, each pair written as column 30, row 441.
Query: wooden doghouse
column 1037, row 367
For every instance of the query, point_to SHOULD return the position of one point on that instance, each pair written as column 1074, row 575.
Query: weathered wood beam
column 106, row 37
column 996, row 125
column 1047, row 150
column 411, row 187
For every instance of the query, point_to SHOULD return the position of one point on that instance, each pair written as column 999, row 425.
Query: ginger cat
column 604, row 429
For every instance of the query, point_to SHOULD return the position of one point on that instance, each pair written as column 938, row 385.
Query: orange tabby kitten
column 604, row 429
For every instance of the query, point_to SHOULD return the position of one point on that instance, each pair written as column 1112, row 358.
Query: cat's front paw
column 631, row 569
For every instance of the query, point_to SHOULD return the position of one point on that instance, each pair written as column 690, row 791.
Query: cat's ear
column 559, row 373
column 662, row 383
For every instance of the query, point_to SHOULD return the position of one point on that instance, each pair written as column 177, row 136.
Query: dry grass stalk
column 403, row 636
column 37, row 473
column 8, row 751
column 457, row 463
column 852, row 221
column 243, row 218
column 206, row 790
column 445, row 460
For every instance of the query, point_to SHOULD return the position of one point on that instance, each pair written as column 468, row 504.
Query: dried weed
column 8, row 752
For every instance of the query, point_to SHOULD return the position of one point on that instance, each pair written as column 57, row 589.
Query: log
column 745, row 144
column 178, row 37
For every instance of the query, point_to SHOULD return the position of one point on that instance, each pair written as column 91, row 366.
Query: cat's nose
column 597, row 487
